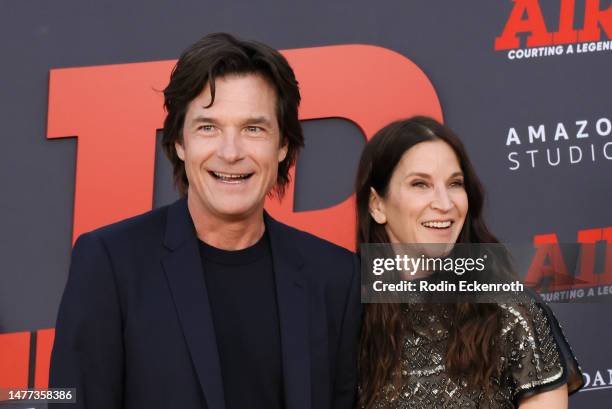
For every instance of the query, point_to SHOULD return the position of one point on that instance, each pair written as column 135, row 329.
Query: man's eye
column 253, row 129
column 206, row 128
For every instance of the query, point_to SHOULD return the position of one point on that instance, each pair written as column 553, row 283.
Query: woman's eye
column 419, row 184
column 457, row 183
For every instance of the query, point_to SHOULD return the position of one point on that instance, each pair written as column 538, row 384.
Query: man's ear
column 282, row 151
column 377, row 207
column 180, row 150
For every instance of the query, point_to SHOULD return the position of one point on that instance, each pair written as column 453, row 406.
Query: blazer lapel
column 292, row 298
column 183, row 268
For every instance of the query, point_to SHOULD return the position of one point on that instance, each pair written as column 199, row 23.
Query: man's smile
column 232, row 178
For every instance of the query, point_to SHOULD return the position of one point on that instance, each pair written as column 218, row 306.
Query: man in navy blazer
column 209, row 302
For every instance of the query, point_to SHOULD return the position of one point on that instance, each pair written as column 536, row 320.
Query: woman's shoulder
column 536, row 354
column 524, row 316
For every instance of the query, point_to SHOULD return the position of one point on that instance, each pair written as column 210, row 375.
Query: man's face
column 232, row 149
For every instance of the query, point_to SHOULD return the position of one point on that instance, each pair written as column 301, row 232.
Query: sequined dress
column 535, row 358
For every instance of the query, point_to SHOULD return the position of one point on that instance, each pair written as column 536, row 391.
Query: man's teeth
column 231, row 176
column 438, row 225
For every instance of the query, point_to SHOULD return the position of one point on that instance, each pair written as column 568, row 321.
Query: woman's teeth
column 438, row 225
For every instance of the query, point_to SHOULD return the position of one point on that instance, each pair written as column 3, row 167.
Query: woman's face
column 426, row 201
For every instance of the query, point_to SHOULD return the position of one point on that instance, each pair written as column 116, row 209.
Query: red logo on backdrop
column 114, row 112
column 549, row 262
column 526, row 17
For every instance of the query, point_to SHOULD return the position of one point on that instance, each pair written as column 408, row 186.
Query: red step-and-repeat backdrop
column 525, row 83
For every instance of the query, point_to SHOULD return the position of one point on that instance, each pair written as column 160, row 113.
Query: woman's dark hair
column 219, row 55
column 472, row 353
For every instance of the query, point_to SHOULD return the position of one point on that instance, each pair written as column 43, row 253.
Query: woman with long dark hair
column 415, row 184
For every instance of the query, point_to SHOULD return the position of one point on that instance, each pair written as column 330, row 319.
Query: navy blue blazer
column 134, row 328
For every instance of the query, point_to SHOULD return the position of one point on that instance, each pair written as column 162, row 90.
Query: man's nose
column 230, row 148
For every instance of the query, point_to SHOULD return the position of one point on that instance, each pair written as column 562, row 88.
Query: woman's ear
column 377, row 207
column 180, row 150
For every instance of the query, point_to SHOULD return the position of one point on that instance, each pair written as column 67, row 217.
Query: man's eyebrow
column 258, row 120
column 203, row 119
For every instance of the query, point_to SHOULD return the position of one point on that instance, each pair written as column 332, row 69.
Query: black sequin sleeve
column 575, row 380
column 537, row 356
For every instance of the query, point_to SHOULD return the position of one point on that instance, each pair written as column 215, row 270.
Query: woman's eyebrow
column 420, row 174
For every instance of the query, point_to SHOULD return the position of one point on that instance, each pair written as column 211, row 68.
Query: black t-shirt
column 242, row 294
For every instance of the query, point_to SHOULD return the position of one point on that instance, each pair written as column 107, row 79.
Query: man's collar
column 180, row 227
